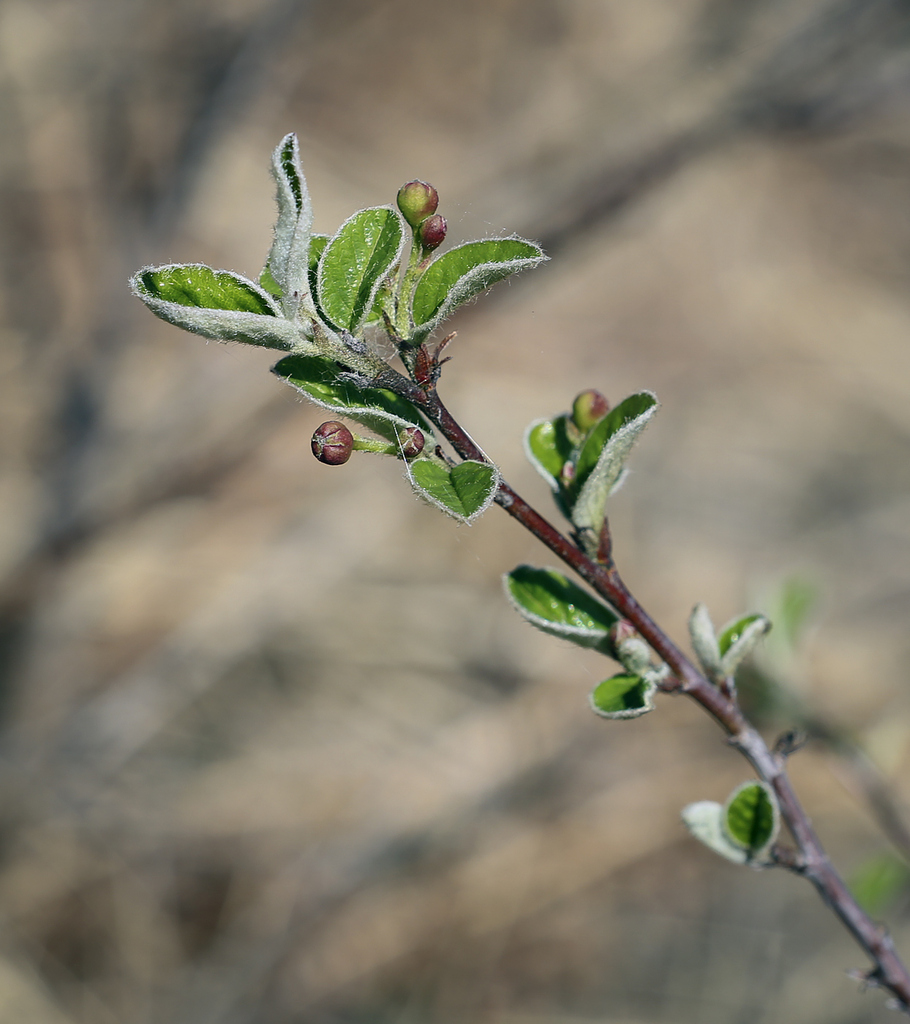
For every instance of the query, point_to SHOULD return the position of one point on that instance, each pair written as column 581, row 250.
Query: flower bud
column 567, row 474
column 622, row 631
column 412, row 441
column 417, row 200
column 332, row 443
column 588, row 409
column 431, row 232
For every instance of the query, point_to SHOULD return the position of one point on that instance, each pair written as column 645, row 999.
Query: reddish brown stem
column 810, row 859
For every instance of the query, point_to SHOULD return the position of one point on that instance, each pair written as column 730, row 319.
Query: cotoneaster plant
column 323, row 300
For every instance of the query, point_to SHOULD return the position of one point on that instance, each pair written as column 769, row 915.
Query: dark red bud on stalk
column 417, row 200
column 332, row 443
column 412, row 441
column 431, row 232
column 588, row 409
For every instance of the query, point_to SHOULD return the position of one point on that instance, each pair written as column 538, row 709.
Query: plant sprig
column 318, row 299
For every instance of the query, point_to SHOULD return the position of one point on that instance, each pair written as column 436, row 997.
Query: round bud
column 588, row 409
column 412, row 441
column 417, row 200
column 332, row 443
column 431, row 232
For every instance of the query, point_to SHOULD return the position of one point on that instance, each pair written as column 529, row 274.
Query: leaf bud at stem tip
column 417, row 200
column 432, row 232
column 412, row 441
column 622, row 631
column 332, row 443
column 588, row 409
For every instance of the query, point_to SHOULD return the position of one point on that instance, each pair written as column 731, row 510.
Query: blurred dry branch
column 273, row 747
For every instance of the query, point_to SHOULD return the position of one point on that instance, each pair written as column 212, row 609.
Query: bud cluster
column 418, row 201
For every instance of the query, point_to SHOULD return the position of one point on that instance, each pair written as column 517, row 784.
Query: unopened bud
column 622, row 631
column 417, row 200
column 588, row 409
column 411, row 440
column 567, row 474
column 432, row 232
column 332, row 443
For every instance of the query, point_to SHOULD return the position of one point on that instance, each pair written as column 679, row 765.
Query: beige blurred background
column 273, row 747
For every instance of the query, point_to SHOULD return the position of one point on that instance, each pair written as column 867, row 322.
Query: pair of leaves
column 743, row 829
column 226, row 306
column 555, row 605
column 720, row 656
column 584, row 469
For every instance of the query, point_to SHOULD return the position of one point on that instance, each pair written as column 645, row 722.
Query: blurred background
column 274, row 749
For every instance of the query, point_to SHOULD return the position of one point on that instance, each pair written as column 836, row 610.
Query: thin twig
column 809, row 859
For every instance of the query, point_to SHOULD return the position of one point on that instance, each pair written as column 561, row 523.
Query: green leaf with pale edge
column 602, row 458
column 703, row 820
column 464, row 491
column 734, row 630
column 623, row 696
column 376, row 408
column 194, row 284
column 215, row 304
column 287, row 260
column 356, row 261
column 738, row 639
column 557, row 606
column 751, row 818
column 548, row 447
column 458, row 275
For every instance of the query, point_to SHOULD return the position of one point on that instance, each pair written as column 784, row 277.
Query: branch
column 810, row 859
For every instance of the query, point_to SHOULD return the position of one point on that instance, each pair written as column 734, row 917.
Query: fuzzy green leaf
column 751, row 817
column 216, row 304
column 600, row 463
column 549, row 447
column 287, row 261
column 557, row 606
column 464, row 491
column 623, row 696
column 458, row 275
column 380, row 410
column 703, row 820
column 704, row 642
column 738, row 639
column 355, row 263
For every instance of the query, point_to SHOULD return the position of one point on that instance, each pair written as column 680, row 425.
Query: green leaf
column 623, row 696
column 549, row 447
column 216, row 304
column 458, row 275
column 269, row 283
column 464, row 491
column 287, row 261
column 355, row 263
column 738, row 639
column 382, row 411
column 600, row 463
column 751, row 819
column 704, row 642
column 314, row 254
column 557, row 606
column 703, row 820
column 879, row 881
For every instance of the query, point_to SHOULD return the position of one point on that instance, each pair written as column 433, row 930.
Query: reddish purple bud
column 567, row 474
column 417, row 200
column 588, row 409
column 333, row 443
column 412, row 441
column 431, row 232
